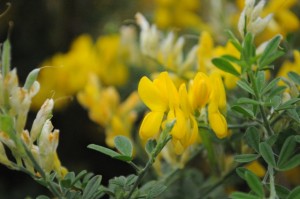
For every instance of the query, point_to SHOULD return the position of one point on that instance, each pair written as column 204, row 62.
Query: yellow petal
column 151, row 124
column 218, row 94
column 217, row 121
column 180, row 128
column 218, row 124
column 200, row 90
column 167, row 88
column 184, row 100
column 151, row 96
column 194, row 132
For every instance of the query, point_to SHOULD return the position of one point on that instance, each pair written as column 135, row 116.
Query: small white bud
column 43, row 114
column 258, row 9
column 241, row 24
column 47, row 143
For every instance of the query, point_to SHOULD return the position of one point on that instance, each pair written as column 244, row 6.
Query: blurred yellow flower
column 207, row 51
column 256, row 168
column 105, row 108
column 289, row 66
column 179, row 14
column 70, row 71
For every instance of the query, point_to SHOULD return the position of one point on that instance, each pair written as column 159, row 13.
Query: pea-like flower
column 167, row 103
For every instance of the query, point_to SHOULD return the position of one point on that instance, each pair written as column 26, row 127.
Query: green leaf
column 245, row 86
column 253, row 137
column 245, row 157
column 234, row 40
column 244, row 111
column 131, row 179
column 293, row 114
column 79, row 176
column 110, row 152
column 282, row 191
column 232, row 59
column 295, row 77
column 275, row 101
column 254, row 183
column 124, row 145
column 295, row 193
column 288, row 104
column 6, row 56
column 226, row 66
column 287, row 151
column 291, row 163
column 156, row 190
column 272, row 139
column 277, row 90
column 92, row 187
column 103, row 150
column 150, row 145
column 241, row 171
column 248, row 51
column 245, row 100
column 267, row 153
column 260, row 80
column 124, row 158
column 241, row 195
column 68, row 179
column 271, row 59
column 31, row 78
column 270, row 49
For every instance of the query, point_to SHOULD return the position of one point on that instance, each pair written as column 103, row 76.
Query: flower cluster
column 29, row 148
column 167, row 103
column 106, row 58
column 106, row 109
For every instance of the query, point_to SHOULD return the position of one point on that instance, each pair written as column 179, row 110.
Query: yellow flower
column 159, row 96
column 207, row 51
column 105, row 108
column 200, row 90
column 180, row 14
column 217, row 102
column 217, row 121
column 70, row 71
column 166, row 104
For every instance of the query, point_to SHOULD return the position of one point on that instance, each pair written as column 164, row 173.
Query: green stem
column 41, row 171
column 150, row 162
column 258, row 97
column 238, row 126
column 273, row 194
column 138, row 169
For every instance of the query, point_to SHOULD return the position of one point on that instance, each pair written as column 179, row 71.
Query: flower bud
column 47, row 143
column 43, row 114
